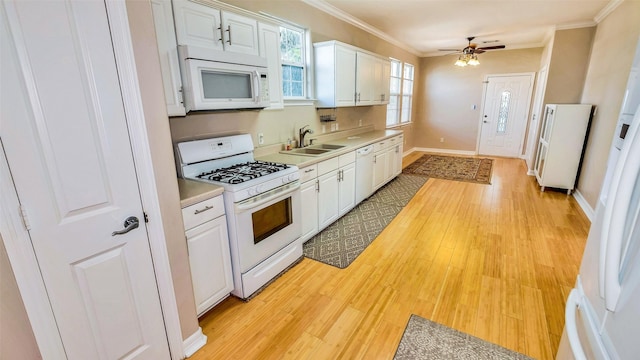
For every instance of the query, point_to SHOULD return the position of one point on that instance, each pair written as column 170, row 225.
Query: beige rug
column 475, row 170
column 425, row 339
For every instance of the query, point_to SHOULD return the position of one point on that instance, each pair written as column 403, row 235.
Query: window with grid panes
column 292, row 49
column 400, row 93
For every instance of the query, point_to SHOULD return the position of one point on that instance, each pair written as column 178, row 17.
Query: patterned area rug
column 341, row 242
column 424, row 339
column 475, row 170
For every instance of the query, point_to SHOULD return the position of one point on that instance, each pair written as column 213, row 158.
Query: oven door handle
column 267, row 196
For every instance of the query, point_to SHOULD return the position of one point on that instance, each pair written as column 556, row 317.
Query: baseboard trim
column 194, row 342
column 584, row 205
column 446, row 151
column 531, row 172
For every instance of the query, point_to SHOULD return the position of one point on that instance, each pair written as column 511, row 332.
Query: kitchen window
column 400, row 93
column 293, row 55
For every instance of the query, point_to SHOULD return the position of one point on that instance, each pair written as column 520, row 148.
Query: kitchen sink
column 326, row 146
column 306, row 151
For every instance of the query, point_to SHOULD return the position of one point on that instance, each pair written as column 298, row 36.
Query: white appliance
column 262, row 203
column 602, row 317
column 219, row 80
column 364, row 172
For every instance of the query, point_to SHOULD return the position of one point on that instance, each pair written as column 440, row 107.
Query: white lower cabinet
column 209, row 255
column 328, row 191
column 387, row 160
column 309, row 201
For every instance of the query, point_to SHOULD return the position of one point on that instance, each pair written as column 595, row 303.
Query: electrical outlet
column 324, row 129
column 360, row 122
column 442, row 140
column 337, row 126
column 333, row 127
column 260, row 138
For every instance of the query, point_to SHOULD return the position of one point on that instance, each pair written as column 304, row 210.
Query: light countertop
column 193, row 192
column 350, row 143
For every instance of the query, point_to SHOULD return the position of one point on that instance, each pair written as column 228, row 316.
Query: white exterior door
column 504, row 119
column 67, row 145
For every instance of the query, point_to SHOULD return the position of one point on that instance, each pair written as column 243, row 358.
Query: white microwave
column 219, row 80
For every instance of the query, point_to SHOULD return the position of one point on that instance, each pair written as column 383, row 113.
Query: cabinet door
column 347, row 192
column 197, row 25
column 345, row 76
column 168, row 51
column 210, row 262
column 380, row 164
column 309, row 197
column 270, row 49
column 328, row 206
column 398, row 156
column 385, row 81
column 240, row 34
column 365, row 79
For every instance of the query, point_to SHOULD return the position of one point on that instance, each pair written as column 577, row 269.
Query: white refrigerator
column 602, row 316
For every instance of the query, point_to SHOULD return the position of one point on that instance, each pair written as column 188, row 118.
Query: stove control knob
column 258, row 189
column 251, row 191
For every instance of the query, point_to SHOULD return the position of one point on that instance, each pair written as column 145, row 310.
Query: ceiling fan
column 468, row 55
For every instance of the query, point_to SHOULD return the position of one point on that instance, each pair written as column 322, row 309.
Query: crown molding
column 577, row 25
column 608, row 9
column 339, row 14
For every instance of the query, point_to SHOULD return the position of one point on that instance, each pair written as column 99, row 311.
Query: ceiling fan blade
column 491, row 47
column 449, row 50
column 478, row 51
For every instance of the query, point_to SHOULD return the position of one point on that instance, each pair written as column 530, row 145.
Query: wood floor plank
column 496, row 261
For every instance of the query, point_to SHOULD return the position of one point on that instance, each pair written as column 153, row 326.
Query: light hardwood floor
column 495, row 261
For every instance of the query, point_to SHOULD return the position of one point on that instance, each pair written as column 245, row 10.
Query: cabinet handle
column 308, row 171
column 358, row 97
column 229, row 31
column 374, row 158
column 221, row 36
column 317, row 185
column 202, row 210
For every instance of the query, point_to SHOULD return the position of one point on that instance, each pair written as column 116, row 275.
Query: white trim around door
column 17, row 240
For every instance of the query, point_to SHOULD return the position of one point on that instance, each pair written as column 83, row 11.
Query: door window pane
column 503, row 113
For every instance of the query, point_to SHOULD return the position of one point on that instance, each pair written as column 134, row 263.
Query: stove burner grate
column 240, row 173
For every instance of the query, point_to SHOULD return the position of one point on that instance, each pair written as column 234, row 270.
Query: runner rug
column 341, row 242
column 475, row 170
column 424, row 339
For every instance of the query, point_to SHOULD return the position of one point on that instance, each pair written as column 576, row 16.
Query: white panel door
column 67, row 145
column 328, row 205
column 270, row 49
column 197, row 25
column 309, row 220
column 240, row 34
column 345, row 76
column 347, row 191
column 506, row 106
column 365, row 79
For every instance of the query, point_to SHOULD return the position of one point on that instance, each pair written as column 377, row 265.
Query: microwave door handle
column 258, row 86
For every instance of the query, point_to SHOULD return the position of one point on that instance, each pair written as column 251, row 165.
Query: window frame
column 304, row 64
column 401, row 95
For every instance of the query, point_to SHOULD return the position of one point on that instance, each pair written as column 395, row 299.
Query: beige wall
column 280, row 125
column 148, row 68
column 16, row 337
column 446, row 94
column 568, row 65
column 614, row 45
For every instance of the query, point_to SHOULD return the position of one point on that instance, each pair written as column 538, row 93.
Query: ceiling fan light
column 461, row 62
column 474, row 61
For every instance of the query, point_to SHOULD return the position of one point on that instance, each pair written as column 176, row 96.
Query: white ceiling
column 424, row 26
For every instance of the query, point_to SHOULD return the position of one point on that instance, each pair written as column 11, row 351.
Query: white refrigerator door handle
column 618, row 202
column 573, row 303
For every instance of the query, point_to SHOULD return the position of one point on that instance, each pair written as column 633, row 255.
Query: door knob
column 130, row 223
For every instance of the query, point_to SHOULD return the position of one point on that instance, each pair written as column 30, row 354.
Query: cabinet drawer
column 380, row 145
column 347, row 158
column 328, row 165
column 307, row 173
column 202, row 212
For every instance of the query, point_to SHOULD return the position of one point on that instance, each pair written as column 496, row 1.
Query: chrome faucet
column 302, row 132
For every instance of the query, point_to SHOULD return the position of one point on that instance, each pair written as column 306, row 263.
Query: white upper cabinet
column 168, row 52
column 207, row 27
column 269, row 36
column 348, row 76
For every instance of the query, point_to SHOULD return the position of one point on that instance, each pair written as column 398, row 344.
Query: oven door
column 267, row 223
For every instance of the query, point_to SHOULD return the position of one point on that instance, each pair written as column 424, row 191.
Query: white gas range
column 262, row 203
